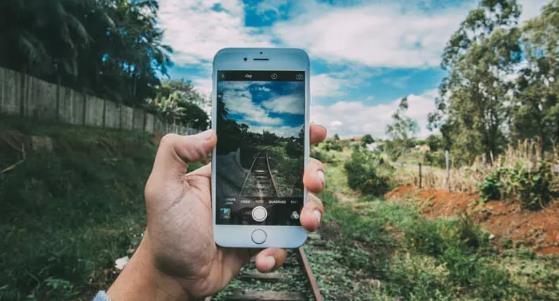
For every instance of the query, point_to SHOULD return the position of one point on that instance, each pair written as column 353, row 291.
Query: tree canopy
column 501, row 85
column 110, row 48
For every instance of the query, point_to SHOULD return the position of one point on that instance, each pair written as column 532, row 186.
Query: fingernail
column 269, row 262
column 321, row 177
column 317, row 215
column 206, row 135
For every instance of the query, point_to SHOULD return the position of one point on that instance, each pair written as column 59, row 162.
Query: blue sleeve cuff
column 101, row 296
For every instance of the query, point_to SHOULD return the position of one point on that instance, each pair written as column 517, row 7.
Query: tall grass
column 67, row 214
column 524, row 156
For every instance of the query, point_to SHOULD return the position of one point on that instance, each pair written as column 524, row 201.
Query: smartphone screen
column 260, row 126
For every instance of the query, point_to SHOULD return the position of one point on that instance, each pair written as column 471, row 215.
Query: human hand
column 178, row 258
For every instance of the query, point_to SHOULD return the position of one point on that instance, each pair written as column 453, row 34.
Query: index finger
column 318, row 133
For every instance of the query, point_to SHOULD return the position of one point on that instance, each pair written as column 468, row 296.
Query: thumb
column 174, row 154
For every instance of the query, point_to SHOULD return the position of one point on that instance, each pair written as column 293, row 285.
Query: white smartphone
column 260, row 114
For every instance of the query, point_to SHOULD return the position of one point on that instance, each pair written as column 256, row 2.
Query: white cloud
column 203, row 85
column 290, row 104
column 348, row 118
column 282, row 131
column 380, row 35
column 270, row 6
column 238, row 100
column 531, row 8
column 327, row 85
column 197, row 29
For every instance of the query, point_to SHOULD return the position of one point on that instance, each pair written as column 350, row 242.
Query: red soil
column 538, row 230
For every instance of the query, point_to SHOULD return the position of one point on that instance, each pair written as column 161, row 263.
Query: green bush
column 368, row 172
column 532, row 188
column 490, row 187
column 534, row 191
column 333, row 145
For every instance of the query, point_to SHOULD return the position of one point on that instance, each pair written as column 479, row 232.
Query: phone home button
column 258, row 236
column 259, row 213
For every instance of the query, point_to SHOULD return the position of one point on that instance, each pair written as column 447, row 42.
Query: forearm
column 141, row 280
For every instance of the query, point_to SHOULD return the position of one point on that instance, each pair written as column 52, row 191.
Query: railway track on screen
column 259, row 181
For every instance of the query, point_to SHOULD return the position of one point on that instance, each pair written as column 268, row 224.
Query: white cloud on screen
column 239, row 100
column 349, row 118
column 281, row 131
column 289, row 104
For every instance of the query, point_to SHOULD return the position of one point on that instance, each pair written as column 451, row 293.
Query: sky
column 365, row 55
column 273, row 106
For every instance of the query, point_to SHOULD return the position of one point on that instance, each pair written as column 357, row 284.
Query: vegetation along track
column 294, row 281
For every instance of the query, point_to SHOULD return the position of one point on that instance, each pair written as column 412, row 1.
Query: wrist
column 141, row 280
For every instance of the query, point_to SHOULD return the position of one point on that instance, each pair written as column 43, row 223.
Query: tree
column 535, row 107
column 367, row 139
column 109, row 48
column 178, row 101
column 402, row 130
column 471, row 109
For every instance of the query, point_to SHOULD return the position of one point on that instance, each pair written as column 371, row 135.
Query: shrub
column 535, row 192
column 490, row 187
column 532, row 188
column 333, row 145
column 368, row 172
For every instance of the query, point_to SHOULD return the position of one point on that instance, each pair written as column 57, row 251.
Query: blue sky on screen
column 365, row 55
column 276, row 107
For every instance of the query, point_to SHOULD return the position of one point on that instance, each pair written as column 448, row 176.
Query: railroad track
column 264, row 286
column 259, row 182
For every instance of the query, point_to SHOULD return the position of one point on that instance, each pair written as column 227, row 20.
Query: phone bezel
column 279, row 59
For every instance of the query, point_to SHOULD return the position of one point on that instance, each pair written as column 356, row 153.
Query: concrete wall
column 24, row 95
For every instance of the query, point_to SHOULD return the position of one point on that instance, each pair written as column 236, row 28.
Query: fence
column 31, row 97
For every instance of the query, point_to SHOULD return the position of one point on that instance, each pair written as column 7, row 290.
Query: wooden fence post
column 420, row 176
column 447, row 162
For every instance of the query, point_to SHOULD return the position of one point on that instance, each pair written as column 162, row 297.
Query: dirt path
column 507, row 221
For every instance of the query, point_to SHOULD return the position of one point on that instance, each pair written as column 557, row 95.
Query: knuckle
column 167, row 139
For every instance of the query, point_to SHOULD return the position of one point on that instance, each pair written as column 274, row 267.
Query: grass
column 389, row 251
column 67, row 214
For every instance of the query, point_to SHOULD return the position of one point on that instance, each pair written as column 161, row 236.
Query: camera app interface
column 260, row 150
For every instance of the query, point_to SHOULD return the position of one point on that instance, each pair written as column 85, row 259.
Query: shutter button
column 259, row 213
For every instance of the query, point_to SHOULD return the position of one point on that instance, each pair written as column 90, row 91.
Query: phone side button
column 258, row 236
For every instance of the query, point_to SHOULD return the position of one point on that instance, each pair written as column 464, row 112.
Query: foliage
column 386, row 250
column 367, row 139
column 490, row 188
column 68, row 214
column 110, row 48
column 532, row 188
column 402, row 131
column 333, row 145
column 501, row 87
column 535, row 110
column 368, row 172
column 178, row 101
